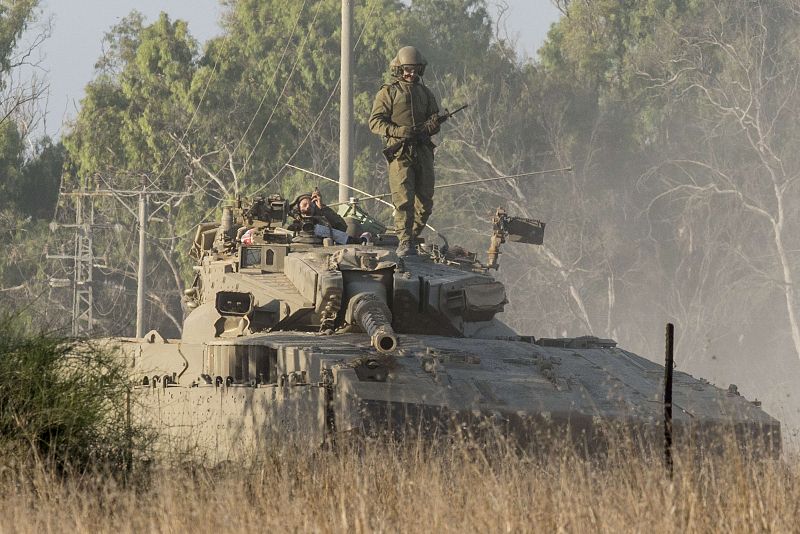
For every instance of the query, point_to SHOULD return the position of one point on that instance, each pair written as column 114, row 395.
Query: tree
column 19, row 94
column 11, row 160
column 29, row 170
column 735, row 71
column 20, row 167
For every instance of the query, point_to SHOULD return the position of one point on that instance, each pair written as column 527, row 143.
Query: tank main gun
column 373, row 316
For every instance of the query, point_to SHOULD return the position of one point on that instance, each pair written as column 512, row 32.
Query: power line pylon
column 82, row 259
column 83, row 256
column 83, row 300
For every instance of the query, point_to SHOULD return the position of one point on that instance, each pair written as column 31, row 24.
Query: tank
column 291, row 335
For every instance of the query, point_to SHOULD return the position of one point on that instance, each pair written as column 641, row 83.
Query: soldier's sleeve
column 380, row 122
column 334, row 219
column 433, row 110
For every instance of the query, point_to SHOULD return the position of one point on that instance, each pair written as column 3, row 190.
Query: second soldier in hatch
column 406, row 110
column 311, row 205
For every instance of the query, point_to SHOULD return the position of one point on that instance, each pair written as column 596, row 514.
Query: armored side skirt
column 217, row 424
column 544, row 432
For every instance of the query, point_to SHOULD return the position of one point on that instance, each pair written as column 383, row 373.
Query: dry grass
column 386, row 488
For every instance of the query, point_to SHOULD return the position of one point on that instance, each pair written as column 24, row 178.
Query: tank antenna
column 350, row 187
column 469, row 182
column 509, row 177
column 312, row 173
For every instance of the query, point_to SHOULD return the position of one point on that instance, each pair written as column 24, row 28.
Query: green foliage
column 28, row 181
column 41, row 177
column 11, row 160
column 22, row 269
column 134, row 107
column 458, row 34
column 28, row 187
column 598, row 41
column 14, row 18
column 63, row 403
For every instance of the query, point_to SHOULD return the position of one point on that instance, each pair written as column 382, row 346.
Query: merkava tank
column 292, row 334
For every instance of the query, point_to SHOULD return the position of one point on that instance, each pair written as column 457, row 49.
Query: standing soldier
column 406, row 110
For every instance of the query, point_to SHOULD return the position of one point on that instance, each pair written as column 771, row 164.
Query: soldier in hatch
column 406, row 110
column 311, row 205
column 326, row 222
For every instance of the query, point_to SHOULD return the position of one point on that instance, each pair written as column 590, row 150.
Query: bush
column 63, row 402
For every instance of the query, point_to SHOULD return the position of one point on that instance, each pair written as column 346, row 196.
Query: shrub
column 63, row 402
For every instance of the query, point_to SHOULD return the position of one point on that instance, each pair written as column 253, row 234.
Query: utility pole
column 83, row 257
column 83, row 301
column 346, row 103
column 140, row 279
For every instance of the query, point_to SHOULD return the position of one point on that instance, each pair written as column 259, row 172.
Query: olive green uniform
column 334, row 219
column 326, row 214
column 399, row 107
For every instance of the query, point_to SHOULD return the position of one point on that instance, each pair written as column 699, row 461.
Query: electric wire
column 196, row 111
column 255, row 114
column 274, row 77
column 312, row 173
column 324, row 107
column 191, row 121
column 298, row 56
column 308, row 134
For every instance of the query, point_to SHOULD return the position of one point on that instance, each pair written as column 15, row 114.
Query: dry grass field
column 387, row 488
column 62, row 419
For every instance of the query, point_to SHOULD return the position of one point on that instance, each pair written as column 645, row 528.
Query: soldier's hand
column 404, row 132
column 316, row 198
column 431, row 126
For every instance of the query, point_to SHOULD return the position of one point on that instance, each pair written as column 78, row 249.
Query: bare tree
column 570, row 284
column 23, row 82
column 736, row 75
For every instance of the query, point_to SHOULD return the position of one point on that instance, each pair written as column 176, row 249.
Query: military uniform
column 334, row 219
column 326, row 214
column 400, row 111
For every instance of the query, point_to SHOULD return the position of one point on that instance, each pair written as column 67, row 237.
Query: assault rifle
column 390, row 152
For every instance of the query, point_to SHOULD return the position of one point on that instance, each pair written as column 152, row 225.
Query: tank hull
column 324, row 388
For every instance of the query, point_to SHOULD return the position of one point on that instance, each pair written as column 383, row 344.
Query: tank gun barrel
column 372, row 314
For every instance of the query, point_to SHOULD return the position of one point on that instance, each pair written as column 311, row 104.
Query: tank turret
column 274, row 279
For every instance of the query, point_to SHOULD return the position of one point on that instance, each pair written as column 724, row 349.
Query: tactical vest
column 412, row 104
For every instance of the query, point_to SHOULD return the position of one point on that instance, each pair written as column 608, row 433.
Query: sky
column 78, row 27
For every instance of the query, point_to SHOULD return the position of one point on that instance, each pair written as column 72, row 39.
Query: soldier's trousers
column 411, row 181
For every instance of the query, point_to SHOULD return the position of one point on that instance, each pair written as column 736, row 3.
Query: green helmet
column 408, row 55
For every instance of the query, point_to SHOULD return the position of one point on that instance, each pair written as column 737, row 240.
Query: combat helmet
column 408, row 55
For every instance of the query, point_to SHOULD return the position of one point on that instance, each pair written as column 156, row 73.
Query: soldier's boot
column 416, row 231
column 408, row 244
column 407, row 247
